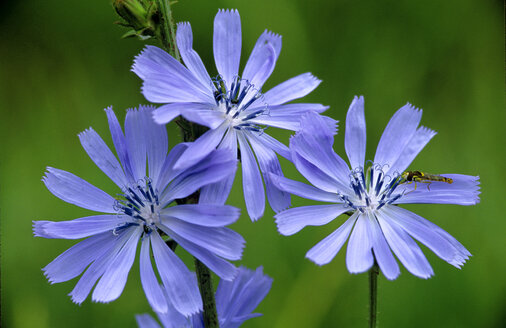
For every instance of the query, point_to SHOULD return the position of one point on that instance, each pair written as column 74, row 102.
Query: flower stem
column 373, row 293
column 207, row 293
column 169, row 31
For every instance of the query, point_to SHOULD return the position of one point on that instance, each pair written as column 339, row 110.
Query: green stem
column 169, row 30
column 206, row 291
column 373, row 293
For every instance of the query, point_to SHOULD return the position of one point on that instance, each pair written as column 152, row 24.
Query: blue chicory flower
column 141, row 212
column 231, row 106
column 235, row 300
column 376, row 225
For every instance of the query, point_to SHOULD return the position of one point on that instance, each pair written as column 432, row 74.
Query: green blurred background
column 62, row 62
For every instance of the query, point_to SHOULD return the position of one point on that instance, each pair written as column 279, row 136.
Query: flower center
column 141, row 203
column 372, row 189
column 235, row 104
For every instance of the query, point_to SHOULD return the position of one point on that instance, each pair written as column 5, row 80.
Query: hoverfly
column 422, row 177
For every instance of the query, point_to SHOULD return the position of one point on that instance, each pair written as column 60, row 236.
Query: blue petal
column 135, row 134
column 404, row 247
column 355, row 135
column 184, row 38
column 314, row 175
column 227, row 44
column 275, row 145
column 182, row 289
column 222, row 268
column 415, row 145
column 382, row 253
column 297, row 108
column 400, row 129
column 463, row 191
column 323, row 252
column 146, row 321
column 75, row 190
column 252, row 181
column 303, row 190
column 199, row 149
column 73, row 261
column 314, row 143
column 294, row 88
column 118, row 139
column 288, row 121
column 221, row 241
column 150, row 284
column 78, row 228
column 269, row 163
column 442, row 244
column 235, row 300
column 359, row 256
column 155, row 61
column 113, row 280
column 98, row 267
column 294, row 219
column 217, row 193
column 217, row 166
column 168, row 173
column 204, row 215
column 156, row 140
column 262, row 59
column 102, row 156
column 164, row 88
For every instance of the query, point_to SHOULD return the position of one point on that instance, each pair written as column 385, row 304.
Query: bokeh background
column 62, row 62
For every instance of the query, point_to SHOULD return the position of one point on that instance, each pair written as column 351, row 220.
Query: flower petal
column 164, row 88
column 78, row 228
column 118, row 139
column 463, row 191
column 102, row 156
column 218, row 165
column 75, row 190
column 203, row 114
column 236, row 299
column 156, row 140
column 404, row 247
column 98, row 267
column 168, row 173
column 252, row 181
column 428, row 234
column 314, row 143
column 415, row 145
column 221, row 241
column 204, row 215
column 293, row 220
column 303, row 190
column 74, row 260
column 184, row 38
column 323, row 252
column 355, row 134
column 135, row 134
column 288, row 121
column 113, row 280
column 146, row 321
column 227, row 44
column 199, row 149
column 359, row 256
column 262, row 59
column 382, row 253
column 154, row 61
column 294, row 88
column 221, row 267
column 297, row 108
column 399, row 131
column 217, row 193
column 181, row 287
column 314, row 175
column 275, row 145
column 152, row 288
column 269, row 163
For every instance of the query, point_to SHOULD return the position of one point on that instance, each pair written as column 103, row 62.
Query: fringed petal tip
column 38, row 229
column 272, row 34
column 227, row 12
